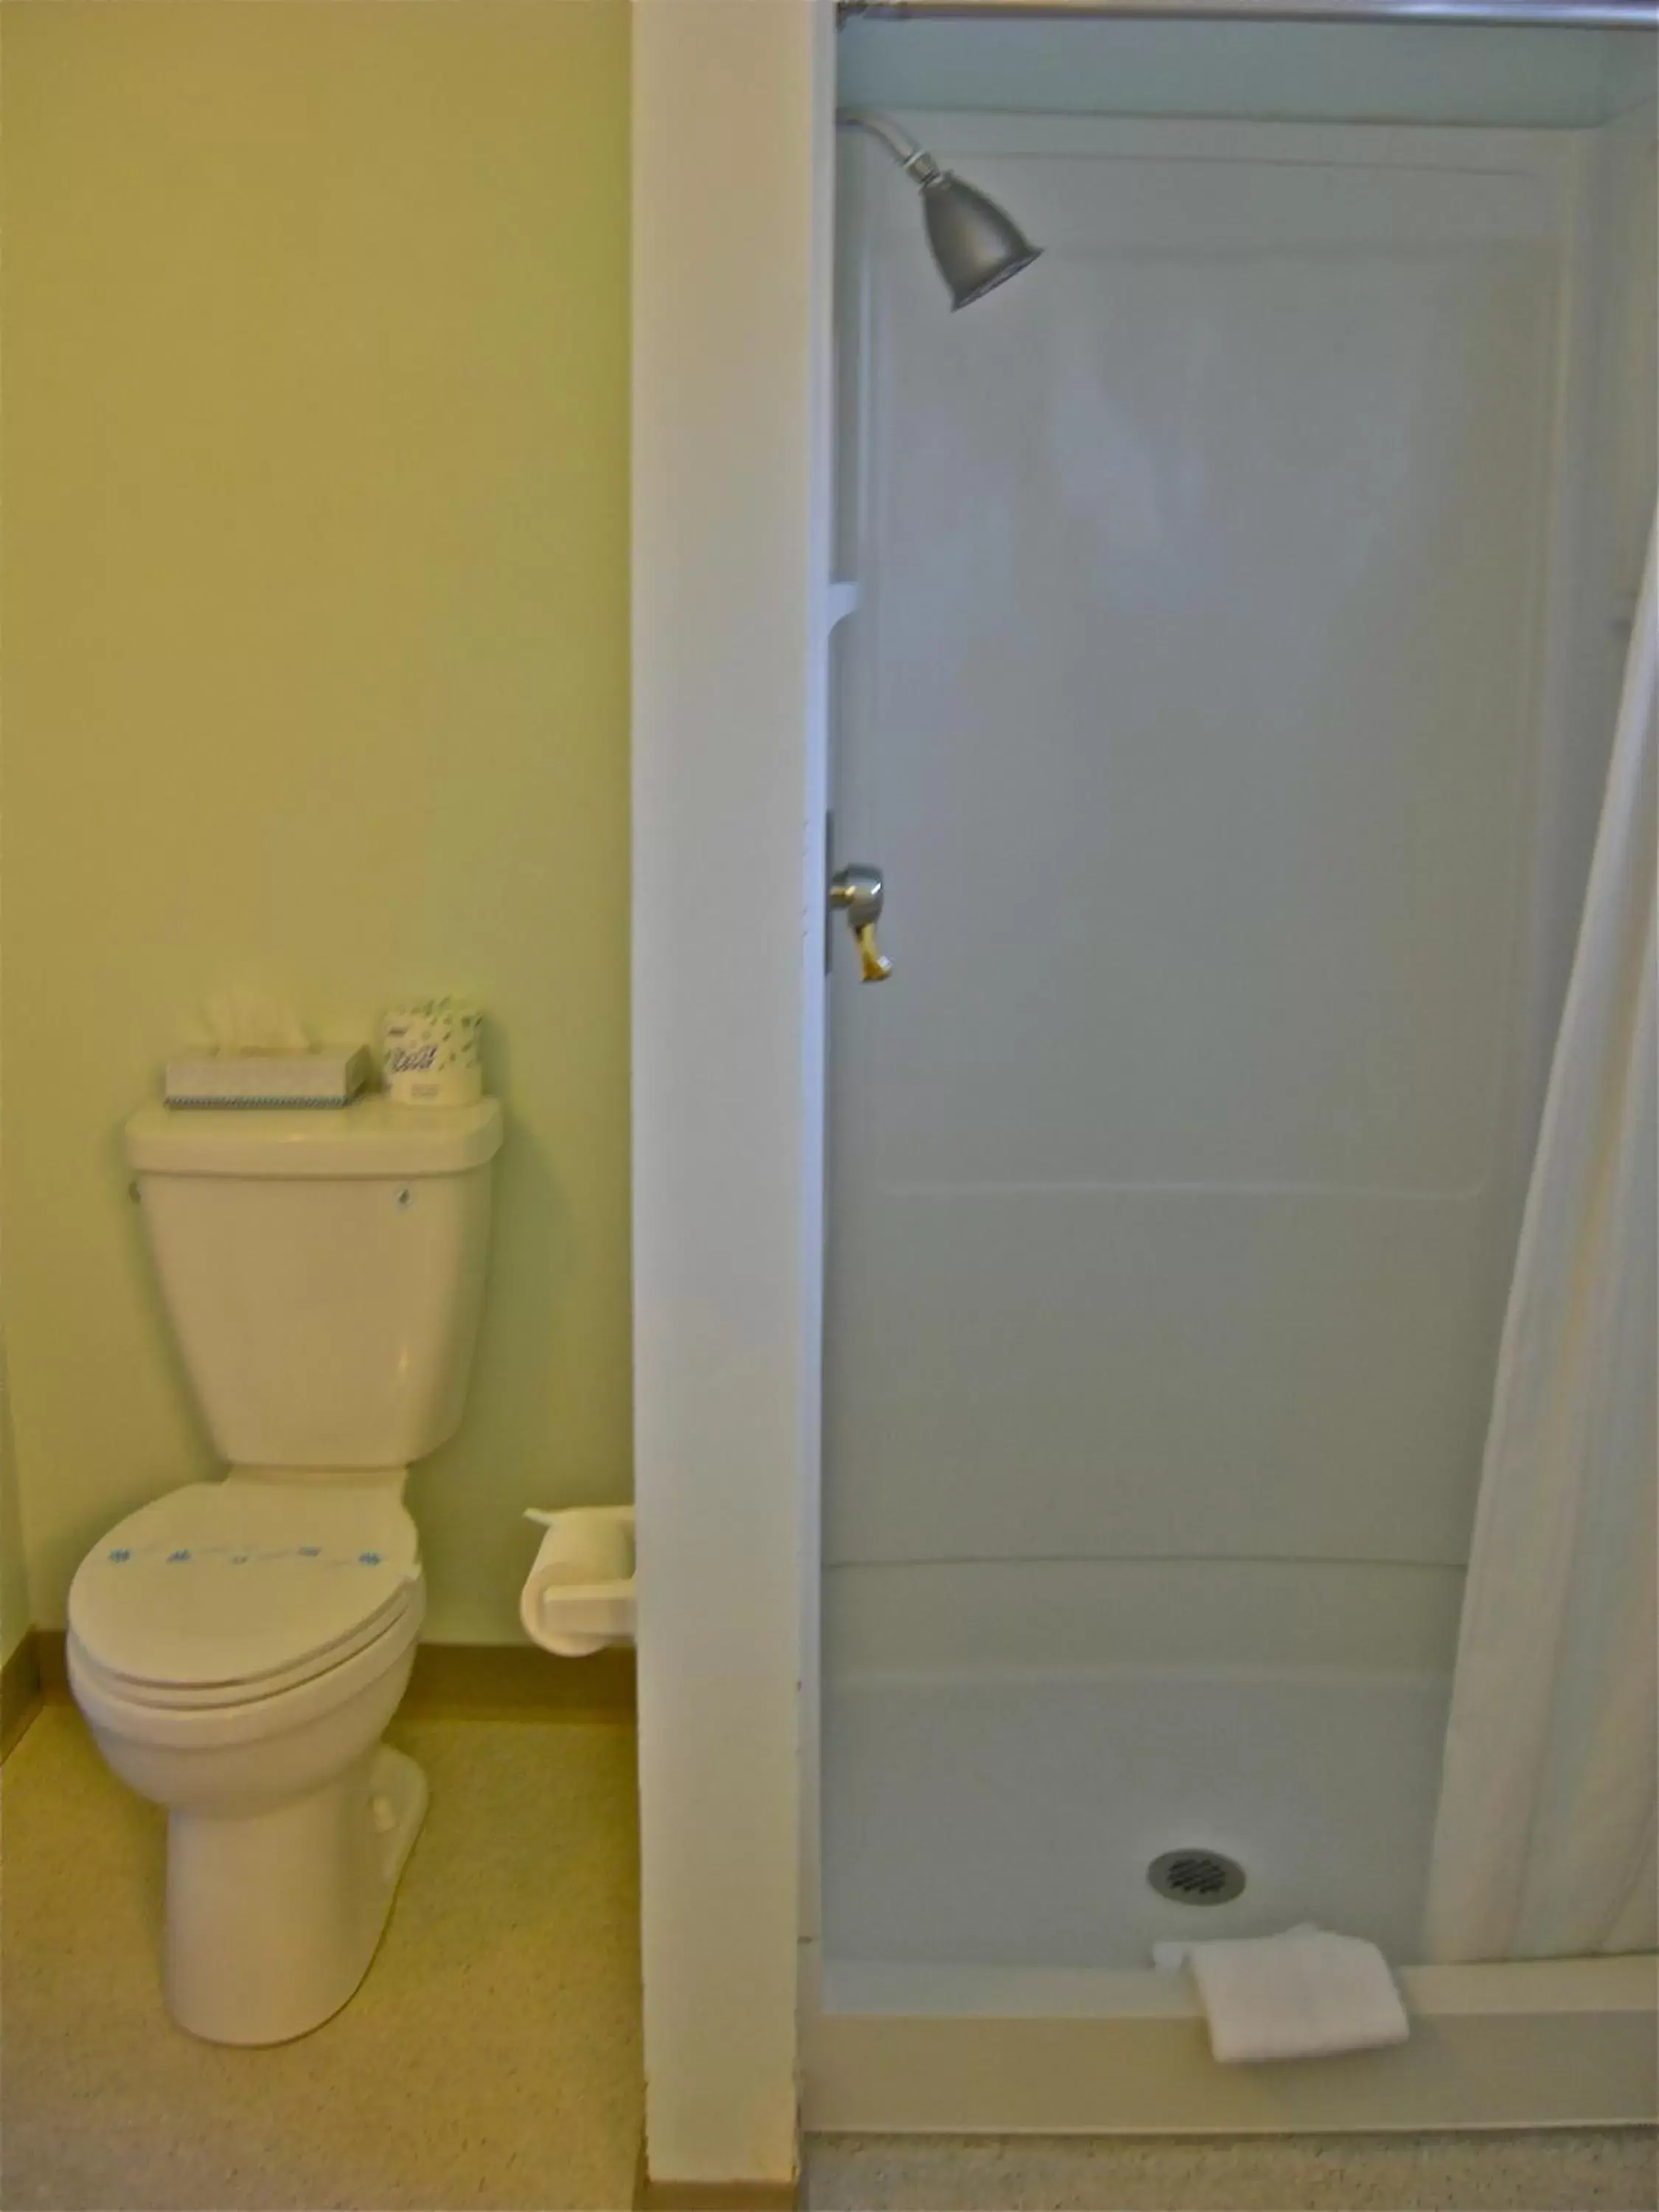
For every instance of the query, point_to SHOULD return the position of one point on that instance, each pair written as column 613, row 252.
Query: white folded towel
column 1300, row 1995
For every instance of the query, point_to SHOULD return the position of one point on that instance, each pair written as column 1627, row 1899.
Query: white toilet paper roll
column 430, row 1054
column 579, row 1595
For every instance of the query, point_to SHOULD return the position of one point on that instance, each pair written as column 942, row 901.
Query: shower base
column 1006, row 1818
column 987, row 1919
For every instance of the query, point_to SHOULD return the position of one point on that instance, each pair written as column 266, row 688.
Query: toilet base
column 273, row 1916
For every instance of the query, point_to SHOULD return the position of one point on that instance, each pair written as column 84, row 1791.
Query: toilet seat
column 221, row 1593
column 252, row 1724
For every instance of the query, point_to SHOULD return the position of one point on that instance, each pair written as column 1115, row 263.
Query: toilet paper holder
column 578, row 1596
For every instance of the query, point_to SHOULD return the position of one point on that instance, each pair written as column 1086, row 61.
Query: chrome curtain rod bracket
column 1570, row 15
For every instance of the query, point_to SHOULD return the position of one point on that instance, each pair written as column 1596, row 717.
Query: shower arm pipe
column 1577, row 14
column 915, row 160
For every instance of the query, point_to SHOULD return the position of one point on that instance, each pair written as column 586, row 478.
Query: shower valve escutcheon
column 856, row 891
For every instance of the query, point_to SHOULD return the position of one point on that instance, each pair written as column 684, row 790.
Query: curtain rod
column 1580, row 14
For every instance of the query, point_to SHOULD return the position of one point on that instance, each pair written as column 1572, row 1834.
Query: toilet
column 238, row 1646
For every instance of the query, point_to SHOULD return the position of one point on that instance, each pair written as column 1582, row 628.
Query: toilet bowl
column 238, row 1647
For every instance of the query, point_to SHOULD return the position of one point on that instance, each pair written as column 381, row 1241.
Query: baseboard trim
column 520, row 1682
column 21, row 1691
column 54, row 1668
column 450, row 1681
column 653, row 2195
column 716, row 2196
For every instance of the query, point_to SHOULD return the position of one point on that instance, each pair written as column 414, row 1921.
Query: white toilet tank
column 323, row 1271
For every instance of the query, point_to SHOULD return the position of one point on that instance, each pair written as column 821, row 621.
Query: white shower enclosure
column 1241, row 598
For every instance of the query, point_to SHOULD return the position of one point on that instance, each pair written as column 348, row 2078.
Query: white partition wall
column 733, row 123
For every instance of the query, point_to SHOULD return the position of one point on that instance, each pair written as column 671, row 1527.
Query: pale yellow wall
column 314, row 513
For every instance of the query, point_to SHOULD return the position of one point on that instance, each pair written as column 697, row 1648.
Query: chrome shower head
column 975, row 244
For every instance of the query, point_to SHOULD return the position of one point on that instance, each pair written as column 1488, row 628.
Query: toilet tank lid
column 370, row 1137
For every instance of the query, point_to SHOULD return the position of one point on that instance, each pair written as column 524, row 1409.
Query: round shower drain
column 1196, row 1877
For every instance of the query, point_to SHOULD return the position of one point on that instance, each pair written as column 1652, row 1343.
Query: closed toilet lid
column 226, row 1583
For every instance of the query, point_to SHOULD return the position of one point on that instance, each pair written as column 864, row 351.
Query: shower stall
column 1231, row 625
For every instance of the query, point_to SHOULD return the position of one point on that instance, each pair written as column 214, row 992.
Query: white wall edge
column 732, row 118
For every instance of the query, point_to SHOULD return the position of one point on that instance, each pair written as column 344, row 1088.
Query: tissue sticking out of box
column 245, row 1022
column 260, row 1058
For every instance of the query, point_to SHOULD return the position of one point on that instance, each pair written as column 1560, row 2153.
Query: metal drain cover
column 1193, row 1877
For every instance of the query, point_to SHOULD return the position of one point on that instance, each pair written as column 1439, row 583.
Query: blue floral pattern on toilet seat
column 240, row 1555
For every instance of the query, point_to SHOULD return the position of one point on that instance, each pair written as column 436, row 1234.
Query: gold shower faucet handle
column 874, row 966
column 856, row 891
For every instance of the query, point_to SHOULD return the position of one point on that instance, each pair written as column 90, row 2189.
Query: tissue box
column 326, row 1075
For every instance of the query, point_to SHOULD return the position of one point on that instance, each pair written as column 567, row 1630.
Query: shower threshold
column 1056, row 2051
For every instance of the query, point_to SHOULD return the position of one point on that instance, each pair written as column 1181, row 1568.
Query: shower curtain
column 1545, row 1843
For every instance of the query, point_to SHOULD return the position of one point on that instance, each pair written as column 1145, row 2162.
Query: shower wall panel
column 1197, row 710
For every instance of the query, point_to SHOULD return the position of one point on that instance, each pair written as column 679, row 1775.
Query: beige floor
column 491, row 2058
column 1556, row 2173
